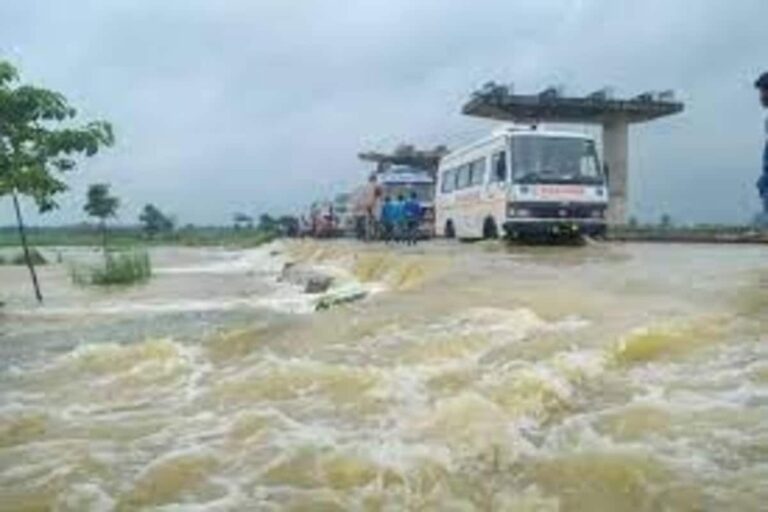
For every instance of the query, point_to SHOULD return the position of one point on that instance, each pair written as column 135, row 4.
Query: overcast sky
column 248, row 105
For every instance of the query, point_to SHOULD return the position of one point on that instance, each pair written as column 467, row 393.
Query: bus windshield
column 555, row 160
column 424, row 191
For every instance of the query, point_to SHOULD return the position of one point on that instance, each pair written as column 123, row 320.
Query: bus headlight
column 512, row 211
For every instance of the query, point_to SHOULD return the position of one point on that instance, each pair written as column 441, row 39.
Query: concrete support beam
column 616, row 156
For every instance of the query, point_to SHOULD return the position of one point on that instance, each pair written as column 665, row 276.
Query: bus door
column 496, row 184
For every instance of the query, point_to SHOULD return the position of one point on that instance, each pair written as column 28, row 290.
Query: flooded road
column 471, row 377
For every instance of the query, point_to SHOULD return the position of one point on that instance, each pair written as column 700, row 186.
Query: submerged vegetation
column 118, row 268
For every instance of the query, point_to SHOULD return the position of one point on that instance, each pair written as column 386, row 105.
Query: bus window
column 449, row 180
column 499, row 166
column 555, row 160
column 424, row 191
column 477, row 172
column 463, row 178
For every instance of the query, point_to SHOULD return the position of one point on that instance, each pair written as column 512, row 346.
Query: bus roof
column 404, row 175
column 515, row 131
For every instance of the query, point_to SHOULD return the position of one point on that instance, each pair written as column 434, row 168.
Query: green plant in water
column 34, row 255
column 119, row 268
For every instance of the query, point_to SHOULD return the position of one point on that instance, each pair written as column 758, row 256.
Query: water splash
column 472, row 381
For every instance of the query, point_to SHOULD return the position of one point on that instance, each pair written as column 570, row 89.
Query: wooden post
column 27, row 255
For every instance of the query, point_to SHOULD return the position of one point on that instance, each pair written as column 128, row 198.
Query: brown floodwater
column 472, row 377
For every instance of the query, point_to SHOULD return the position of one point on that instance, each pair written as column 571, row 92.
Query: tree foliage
column 39, row 141
column 99, row 203
column 154, row 221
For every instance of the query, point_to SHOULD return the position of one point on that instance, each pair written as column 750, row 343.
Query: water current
column 470, row 377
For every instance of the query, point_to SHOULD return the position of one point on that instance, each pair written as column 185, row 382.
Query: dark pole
column 27, row 256
column 104, row 235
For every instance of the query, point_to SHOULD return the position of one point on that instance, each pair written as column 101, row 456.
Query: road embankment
column 690, row 236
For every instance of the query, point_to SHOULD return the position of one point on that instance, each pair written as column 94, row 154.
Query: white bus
column 524, row 182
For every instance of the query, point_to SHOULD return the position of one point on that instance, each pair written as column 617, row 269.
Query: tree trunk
column 103, row 226
column 25, row 246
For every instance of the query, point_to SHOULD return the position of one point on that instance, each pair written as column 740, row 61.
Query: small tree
column 666, row 221
column 242, row 220
column 267, row 222
column 38, row 143
column 154, row 221
column 102, row 206
column 289, row 225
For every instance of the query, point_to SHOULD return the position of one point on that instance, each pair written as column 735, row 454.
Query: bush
column 119, row 268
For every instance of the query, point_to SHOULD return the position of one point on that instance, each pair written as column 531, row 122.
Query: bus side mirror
column 606, row 173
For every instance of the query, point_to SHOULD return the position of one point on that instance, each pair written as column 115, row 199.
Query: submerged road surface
column 471, row 377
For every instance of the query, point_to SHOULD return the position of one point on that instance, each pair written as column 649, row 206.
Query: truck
column 393, row 182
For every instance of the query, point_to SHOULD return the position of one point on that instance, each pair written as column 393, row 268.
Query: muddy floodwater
column 469, row 377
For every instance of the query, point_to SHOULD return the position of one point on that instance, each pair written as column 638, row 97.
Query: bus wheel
column 450, row 231
column 490, row 230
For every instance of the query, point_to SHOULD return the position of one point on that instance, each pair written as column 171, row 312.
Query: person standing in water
column 412, row 219
column 388, row 219
column 400, row 220
column 762, row 183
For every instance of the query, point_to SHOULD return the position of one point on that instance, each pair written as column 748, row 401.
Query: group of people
column 400, row 219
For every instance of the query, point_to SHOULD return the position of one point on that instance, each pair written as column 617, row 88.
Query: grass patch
column 118, row 269
column 18, row 258
column 125, row 238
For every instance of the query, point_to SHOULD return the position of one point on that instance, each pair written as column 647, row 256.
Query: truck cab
column 403, row 180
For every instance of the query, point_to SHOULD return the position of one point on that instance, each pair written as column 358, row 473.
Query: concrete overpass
column 427, row 159
column 599, row 108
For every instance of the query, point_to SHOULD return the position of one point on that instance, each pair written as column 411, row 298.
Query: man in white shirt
column 762, row 183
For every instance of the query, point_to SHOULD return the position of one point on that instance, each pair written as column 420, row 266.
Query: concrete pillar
column 616, row 157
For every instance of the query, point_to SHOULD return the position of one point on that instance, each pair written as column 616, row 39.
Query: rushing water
column 473, row 377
